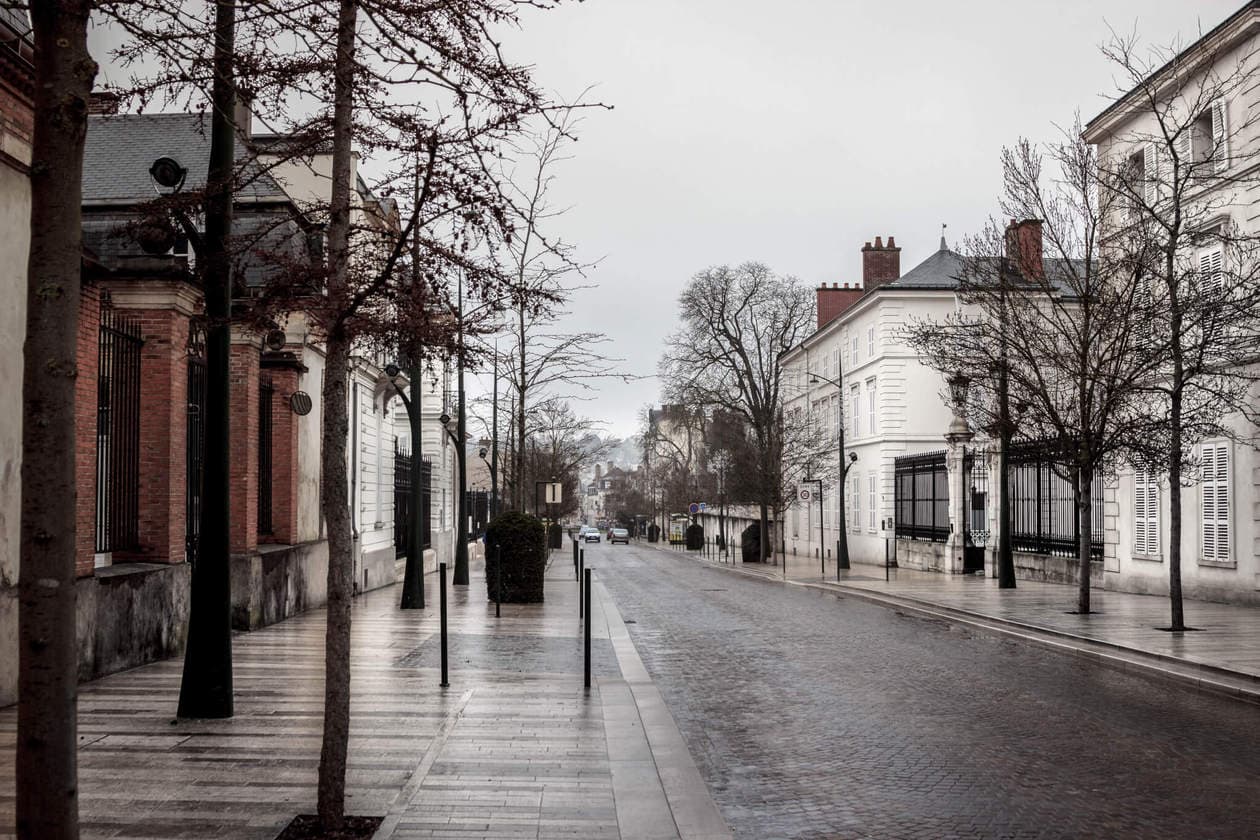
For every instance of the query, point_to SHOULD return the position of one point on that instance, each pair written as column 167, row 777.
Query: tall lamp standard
column 842, row 541
column 492, row 463
column 461, row 525
column 413, row 575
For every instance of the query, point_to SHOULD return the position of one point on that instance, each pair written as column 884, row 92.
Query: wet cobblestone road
column 812, row 716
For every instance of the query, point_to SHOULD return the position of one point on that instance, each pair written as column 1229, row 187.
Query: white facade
column 1221, row 508
column 892, row 406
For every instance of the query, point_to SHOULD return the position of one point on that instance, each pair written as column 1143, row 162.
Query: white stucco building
column 889, row 402
column 1220, row 511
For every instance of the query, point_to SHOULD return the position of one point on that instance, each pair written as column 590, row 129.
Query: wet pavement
column 815, row 715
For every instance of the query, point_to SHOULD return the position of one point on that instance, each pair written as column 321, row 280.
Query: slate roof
column 942, row 270
column 121, row 148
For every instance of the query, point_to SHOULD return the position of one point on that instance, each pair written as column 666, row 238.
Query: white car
column 588, row 535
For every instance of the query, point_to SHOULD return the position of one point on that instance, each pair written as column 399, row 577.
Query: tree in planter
column 1176, row 178
column 517, row 542
column 47, row 781
column 1070, row 324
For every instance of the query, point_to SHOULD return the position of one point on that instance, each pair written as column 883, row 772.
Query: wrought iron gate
column 402, row 498
column 118, row 433
column 976, row 508
column 195, row 444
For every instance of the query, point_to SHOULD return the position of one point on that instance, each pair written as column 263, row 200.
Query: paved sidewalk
column 515, row 748
column 1222, row 655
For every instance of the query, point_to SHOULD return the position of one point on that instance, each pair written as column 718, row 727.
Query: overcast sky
column 791, row 132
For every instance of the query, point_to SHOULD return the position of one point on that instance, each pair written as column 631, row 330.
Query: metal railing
column 921, row 497
column 118, row 433
column 266, row 392
column 1043, row 503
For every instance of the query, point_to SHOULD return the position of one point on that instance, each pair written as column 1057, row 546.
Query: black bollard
column 575, row 557
column 442, row 602
column 498, row 578
column 581, row 569
column 587, row 632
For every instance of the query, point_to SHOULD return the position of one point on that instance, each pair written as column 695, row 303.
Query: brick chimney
column 880, row 263
column 1023, row 248
column 102, row 102
column 833, row 300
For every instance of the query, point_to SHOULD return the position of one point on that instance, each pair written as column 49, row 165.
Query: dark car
column 619, row 535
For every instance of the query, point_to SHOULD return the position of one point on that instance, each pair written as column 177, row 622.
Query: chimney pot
column 879, row 242
column 891, row 243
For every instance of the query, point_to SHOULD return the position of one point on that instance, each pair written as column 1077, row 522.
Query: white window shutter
column 871, row 402
column 871, row 501
column 1210, row 265
column 1139, row 513
column 1222, row 501
column 1220, row 140
column 1150, row 177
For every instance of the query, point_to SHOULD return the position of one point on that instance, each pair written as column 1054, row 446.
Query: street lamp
column 842, row 541
column 489, row 445
column 461, row 525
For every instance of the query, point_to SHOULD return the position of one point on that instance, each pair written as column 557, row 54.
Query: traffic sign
column 554, row 491
column 805, row 494
column 693, row 508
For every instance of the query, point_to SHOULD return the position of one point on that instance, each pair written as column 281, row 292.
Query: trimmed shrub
column 750, row 543
column 695, row 537
column 522, row 544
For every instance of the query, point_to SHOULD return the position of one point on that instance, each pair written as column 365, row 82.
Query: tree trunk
column 206, row 688
column 460, row 578
column 764, row 541
column 520, row 414
column 413, row 574
column 1175, row 455
column 1005, row 555
column 334, row 484
column 1084, row 507
column 47, row 781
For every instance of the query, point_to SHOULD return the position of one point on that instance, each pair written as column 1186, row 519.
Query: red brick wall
column 85, row 428
column 243, row 391
column 834, row 300
column 284, row 457
column 880, row 263
column 163, row 434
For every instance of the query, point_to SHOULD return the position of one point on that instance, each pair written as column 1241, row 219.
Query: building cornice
column 1188, row 62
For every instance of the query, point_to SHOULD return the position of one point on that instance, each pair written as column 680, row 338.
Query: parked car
column 619, row 535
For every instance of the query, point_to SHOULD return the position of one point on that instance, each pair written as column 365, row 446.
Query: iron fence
column 266, row 392
column 405, row 499
column 477, row 503
column 195, row 444
column 1043, row 503
column 921, row 497
column 118, row 433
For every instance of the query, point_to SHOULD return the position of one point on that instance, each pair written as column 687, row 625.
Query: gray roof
column 943, row 269
column 121, row 148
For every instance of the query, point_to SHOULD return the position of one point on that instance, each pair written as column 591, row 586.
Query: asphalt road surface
column 817, row 716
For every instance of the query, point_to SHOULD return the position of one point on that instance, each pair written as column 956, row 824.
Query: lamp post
column 493, row 465
column 842, row 541
column 461, row 534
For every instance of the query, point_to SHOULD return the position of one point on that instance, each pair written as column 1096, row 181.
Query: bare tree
column 542, row 360
column 736, row 324
column 47, row 782
column 1173, row 180
column 1068, row 325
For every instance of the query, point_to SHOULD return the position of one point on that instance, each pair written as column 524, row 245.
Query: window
column 871, row 503
column 1205, row 143
column 870, row 342
column 857, row 502
column 855, row 351
column 1215, row 499
column 855, row 393
column 1146, row 512
column 871, row 404
column 1210, row 265
column 1142, row 177
column 826, row 369
column 835, row 362
column 835, row 417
